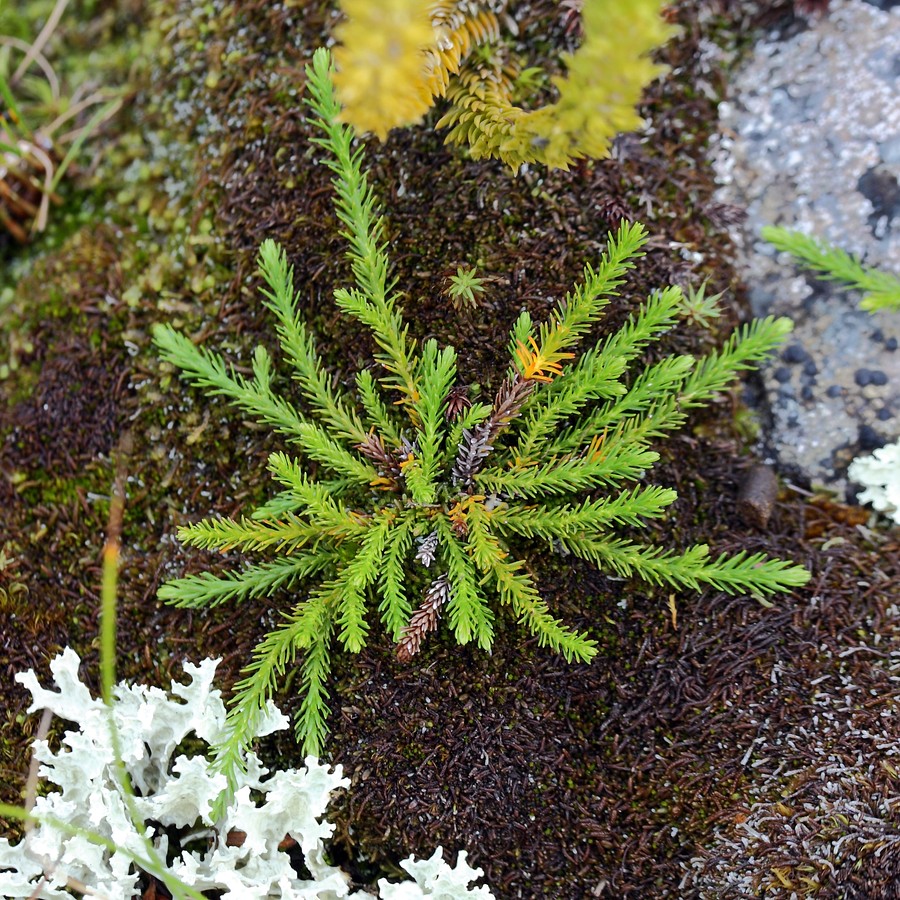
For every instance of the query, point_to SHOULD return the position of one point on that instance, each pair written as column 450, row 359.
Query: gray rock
column 810, row 139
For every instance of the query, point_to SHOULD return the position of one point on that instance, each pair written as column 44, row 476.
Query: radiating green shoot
column 403, row 502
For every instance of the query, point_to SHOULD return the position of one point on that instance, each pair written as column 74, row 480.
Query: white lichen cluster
column 879, row 474
column 174, row 797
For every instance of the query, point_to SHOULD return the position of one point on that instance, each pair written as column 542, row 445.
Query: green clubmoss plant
column 880, row 290
column 411, row 483
column 464, row 287
column 699, row 308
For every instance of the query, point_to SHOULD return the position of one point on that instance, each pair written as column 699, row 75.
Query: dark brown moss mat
column 603, row 780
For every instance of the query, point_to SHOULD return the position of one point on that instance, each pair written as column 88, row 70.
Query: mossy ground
column 561, row 780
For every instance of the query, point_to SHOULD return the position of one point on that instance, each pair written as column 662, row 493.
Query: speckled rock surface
column 811, row 140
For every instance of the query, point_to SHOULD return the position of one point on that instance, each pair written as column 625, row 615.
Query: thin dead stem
column 91, row 100
column 39, row 42
column 39, row 59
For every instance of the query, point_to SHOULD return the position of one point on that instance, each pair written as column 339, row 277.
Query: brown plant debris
column 389, row 470
column 424, row 619
column 478, row 442
column 427, row 549
column 457, row 401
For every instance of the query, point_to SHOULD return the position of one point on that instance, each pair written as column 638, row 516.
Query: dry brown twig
column 424, row 619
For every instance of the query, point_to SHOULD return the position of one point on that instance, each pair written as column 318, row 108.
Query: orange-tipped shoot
column 538, row 367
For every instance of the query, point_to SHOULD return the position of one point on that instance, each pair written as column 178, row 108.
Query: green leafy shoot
column 881, row 290
column 699, row 308
column 407, row 504
column 372, row 301
column 464, row 287
column 13, row 115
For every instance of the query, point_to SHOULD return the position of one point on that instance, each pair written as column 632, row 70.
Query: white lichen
column 174, row 799
column 879, row 474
